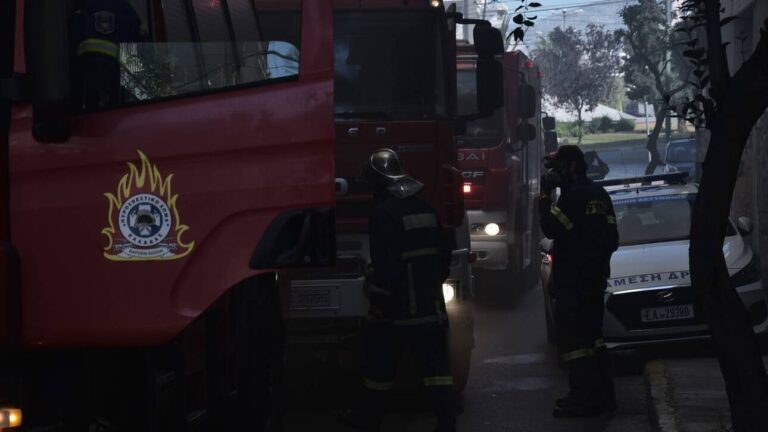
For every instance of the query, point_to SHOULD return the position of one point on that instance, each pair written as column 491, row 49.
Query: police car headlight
column 449, row 292
column 751, row 273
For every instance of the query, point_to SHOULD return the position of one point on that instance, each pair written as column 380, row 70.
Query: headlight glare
column 449, row 292
column 492, row 229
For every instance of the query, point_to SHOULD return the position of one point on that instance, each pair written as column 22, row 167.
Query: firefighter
column 97, row 28
column 583, row 226
column 410, row 259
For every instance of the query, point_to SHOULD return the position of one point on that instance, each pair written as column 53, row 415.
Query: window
column 484, row 132
column 388, row 64
column 654, row 219
column 142, row 50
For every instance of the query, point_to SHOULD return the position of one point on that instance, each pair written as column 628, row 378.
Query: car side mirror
column 48, row 64
column 745, row 226
column 545, row 246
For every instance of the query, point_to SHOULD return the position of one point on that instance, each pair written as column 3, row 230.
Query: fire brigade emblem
column 144, row 223
column 104, row 22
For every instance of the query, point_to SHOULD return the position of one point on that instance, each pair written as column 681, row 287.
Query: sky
column 578, row 13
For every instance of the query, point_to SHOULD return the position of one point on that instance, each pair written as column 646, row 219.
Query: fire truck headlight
column 492, row 229
column 435, row 3
column 10, row 418
column 449, row 292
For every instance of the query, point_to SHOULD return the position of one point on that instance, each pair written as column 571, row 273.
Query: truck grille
column 626, row 307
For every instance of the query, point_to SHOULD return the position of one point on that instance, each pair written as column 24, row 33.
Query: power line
column 569, row 6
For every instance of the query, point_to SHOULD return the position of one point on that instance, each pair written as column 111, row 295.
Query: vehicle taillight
column 549, row 258
column 467, row 188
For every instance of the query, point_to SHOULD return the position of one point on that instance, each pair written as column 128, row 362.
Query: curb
column 661, row 412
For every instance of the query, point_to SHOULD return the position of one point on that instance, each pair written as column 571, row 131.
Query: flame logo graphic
column 145, row 179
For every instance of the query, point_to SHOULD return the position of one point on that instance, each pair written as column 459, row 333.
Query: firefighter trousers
column 579, row 321
column 385, row 343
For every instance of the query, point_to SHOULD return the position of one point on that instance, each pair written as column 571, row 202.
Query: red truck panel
column 224, row 164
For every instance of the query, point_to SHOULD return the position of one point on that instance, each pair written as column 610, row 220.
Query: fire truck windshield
column 482, row 132
column 389, row 65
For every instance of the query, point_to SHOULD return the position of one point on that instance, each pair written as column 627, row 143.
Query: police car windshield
column 389, row 62
column 482, row 132
column 654, row 219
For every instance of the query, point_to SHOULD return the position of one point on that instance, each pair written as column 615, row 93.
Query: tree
column 649, row 40
column 581, row 68
column 729, row 105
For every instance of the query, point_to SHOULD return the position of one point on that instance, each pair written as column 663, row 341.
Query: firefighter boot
column 607, row 392
column 584, row 397
column 444, row 405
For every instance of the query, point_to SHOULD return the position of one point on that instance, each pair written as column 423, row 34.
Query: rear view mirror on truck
column 526, row 101
column 526, row 132
column 489, row 41
column 548, row 123
column 550, row 141
column 48, row 64
column 490, row 95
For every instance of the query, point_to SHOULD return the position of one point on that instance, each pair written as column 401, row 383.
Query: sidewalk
column 687, row 395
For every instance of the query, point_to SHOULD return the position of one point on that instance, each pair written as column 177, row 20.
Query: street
column 513, row 384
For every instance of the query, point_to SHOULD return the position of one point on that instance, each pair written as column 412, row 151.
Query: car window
column 126, row 52
column 681, row 153
column 656, row 219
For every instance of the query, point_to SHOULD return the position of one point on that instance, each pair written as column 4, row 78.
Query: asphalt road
column 513, row 383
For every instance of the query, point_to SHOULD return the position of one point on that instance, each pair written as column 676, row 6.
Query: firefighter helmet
column 384, row 170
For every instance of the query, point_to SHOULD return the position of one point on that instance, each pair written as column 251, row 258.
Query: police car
column 649, row 296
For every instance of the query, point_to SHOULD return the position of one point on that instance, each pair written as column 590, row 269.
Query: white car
column 649, row 296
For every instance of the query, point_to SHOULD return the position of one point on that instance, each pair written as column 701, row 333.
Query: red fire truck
column 140, row 236
column 395, row 87
column 500, row 158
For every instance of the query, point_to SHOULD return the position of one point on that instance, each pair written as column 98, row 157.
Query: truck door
column 201, row 152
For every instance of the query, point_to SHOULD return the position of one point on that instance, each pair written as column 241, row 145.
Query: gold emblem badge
column 144, row 223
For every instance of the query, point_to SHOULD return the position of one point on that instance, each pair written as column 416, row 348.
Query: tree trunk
column 744, row 100
column 653, row 140
column 581, row 125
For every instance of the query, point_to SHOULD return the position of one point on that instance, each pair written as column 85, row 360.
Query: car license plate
column 309, row 298
column 666, row 313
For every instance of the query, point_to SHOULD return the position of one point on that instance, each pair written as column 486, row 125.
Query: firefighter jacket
column 101, row 25
column 410, row 258
column 583, row 227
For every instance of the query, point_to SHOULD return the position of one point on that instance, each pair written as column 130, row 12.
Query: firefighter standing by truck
column 583, row 226
column 97, row 29
column 410, row 259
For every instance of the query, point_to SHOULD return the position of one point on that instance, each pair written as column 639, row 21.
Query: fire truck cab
column 153, row 180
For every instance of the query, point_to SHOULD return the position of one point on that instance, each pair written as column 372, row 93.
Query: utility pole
column 485, row 4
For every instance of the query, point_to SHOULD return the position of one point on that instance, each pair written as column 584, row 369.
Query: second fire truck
column 500, row 159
